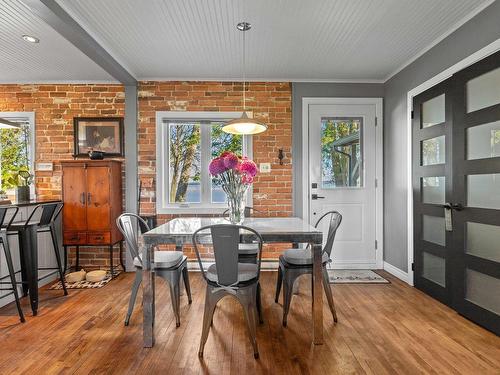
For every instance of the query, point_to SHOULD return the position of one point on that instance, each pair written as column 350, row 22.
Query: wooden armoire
column 92, row 195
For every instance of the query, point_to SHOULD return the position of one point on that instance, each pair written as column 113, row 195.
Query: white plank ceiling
column 53, row 59
column 197, row 39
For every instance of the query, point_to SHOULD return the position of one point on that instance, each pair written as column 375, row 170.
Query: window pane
column 483, row 290
column 221, row 142
column 483, row 91
column 433, row 151
column 483, row 141
column 185, row 162
column 341, row 152
column 433, row 229
column 482, row 241
column 483, row 190
column 434, row 269
column 433, row 190
column 14, row 146
column 433, row 112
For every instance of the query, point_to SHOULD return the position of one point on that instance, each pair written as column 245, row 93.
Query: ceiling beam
column 56, row 17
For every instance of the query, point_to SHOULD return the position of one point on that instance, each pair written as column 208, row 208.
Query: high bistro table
column 180, row 231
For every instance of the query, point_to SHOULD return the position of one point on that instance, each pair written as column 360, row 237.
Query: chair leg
column 12, row 275
column 328, row 292
column 288, row 281
column 251, row 319
column 259, row 304
column 58, row 258
column 208, row 313
column 175, row 296
column 185, row 276
column 278, row 284
column 133, row 294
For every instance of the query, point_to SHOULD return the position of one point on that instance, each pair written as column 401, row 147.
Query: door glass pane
column 483, row 290
column 483, row 191
column 433, row 190
column 433, row 111
column 433, row 229
column 341, row 152
column 221, row 142
column 483, row 240
column 185, row 162
column 483, row 141
column 433, row 151
column 483, row 91
column 434, row 268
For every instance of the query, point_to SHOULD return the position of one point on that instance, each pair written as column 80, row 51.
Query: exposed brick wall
column 270, row 102
column 55, row 105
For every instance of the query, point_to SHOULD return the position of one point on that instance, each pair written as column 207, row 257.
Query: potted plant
column 21, row 179
column 235, row 174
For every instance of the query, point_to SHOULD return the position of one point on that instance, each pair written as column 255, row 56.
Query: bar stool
column 8, row 259
column 27, row 232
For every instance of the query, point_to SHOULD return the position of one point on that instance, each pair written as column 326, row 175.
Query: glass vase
column 236, row 203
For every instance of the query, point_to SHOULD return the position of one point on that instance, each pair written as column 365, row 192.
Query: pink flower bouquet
column 235, row 175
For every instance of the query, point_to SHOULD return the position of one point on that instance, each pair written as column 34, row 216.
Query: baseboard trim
column 394, row 271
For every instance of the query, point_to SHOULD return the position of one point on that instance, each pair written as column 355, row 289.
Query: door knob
column 453, row 206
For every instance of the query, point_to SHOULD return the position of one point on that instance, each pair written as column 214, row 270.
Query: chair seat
column 301, row 257
column 164, row 259
column 248, row 248
column 246, row 272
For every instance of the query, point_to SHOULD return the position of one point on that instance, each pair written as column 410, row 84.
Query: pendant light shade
column 244, row 125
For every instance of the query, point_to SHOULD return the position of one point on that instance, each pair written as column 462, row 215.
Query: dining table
column 179, row 231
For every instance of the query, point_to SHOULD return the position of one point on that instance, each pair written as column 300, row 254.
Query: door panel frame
column 471, row 59
column 379, row 166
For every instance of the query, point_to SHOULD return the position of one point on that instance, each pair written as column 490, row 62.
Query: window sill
column 191, row 210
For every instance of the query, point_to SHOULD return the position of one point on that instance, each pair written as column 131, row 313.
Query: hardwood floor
column 382, row 329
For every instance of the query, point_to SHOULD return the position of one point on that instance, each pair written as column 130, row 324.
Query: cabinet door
column 74, row 193
column 98, row 202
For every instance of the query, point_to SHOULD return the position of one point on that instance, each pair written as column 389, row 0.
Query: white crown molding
column 450, row 31
column 59, row 82
column 240, row 79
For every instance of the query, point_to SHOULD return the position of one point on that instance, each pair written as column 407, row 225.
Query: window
column 187, row 141
column 16, row 149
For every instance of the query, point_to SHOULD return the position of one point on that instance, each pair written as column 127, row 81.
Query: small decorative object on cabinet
column 92, row 195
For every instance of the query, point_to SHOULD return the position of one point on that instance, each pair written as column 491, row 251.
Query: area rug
column 85, row 284
column 355, row 277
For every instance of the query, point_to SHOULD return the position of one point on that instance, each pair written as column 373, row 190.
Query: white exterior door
column 342, row 177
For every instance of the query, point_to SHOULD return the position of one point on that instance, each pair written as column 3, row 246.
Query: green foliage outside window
column 14, row 157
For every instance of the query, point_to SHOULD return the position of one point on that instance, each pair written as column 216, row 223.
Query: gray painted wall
column 319, row 90
column 480, row 31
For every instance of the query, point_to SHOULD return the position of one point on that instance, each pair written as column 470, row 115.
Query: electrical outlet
column 265, row 167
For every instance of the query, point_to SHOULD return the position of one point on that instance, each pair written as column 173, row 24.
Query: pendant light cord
column 244, row 72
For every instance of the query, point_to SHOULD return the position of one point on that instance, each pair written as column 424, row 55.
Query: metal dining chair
column 297, row 262
column 8, row 259
column 229, row 277
column 169, row 265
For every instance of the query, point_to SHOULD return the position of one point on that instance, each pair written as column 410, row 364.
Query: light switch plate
column 265, row 167
column 44, row 166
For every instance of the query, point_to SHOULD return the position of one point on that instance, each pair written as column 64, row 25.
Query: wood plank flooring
column 382, row 329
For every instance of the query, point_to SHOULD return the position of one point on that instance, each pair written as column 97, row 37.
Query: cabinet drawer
column 74, row 238
column 98, row 238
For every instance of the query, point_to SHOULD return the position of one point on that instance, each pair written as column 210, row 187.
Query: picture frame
column 103, row 134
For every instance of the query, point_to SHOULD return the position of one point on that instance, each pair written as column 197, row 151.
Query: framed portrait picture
column 98, row 134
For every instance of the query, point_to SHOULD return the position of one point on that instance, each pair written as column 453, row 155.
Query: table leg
column 317, row 290
column 29, row 242
column 148, row 308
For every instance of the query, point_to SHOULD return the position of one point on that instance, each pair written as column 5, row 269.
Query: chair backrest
column 3, row 215
column 48, row 213
column 225, row 239
column 334, row 223
column 249, row 211
column 128, row 224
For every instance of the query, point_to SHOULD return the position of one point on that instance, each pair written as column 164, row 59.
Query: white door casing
column 359, row 241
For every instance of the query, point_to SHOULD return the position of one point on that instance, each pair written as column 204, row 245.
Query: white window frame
column 163, row 206
column 30, row 118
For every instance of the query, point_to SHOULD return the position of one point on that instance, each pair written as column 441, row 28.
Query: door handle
column 453, row 206
column 82, row 198
column 88, row 198
column 316, row 196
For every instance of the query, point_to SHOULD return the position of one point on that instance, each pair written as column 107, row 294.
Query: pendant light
column 244, row 125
